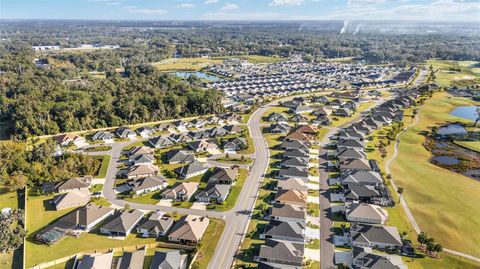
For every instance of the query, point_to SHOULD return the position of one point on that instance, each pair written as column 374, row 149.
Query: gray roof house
column 160, row 142
column 355, row 164
column 131, row 260
column 295, row 145
column 287, row 212
column 349, row 153
column 297, row 162
column 107, row 137
column 122, row 224
column 362, row 178
column 155, row 226
column 363, row 235
column 191, row 170
column 97, row 260
column 141, row 159
column 277, row 117
column 301, row 109
column 180, row 156
column 293, row 172
column 282, row 252
column 71, row 184
column 341, row 145
column 71, row 199
column 365, row 258
column 216, row 192
column 147, row 184
column 280, row 128
column 202, row 145
column 172, row 259
column 284, row 230
column 124, row 132
column 272, row 265
column 303, row 153
column 343, row 112
column 145, row 131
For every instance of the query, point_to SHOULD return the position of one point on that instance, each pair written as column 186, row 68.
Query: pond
column 465, row 112
column 200, row 75
column 452, row 129
column 445, row 160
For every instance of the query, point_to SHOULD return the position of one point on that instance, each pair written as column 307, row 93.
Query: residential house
column 122, row 224
column 350, row 135
column 145, row 131
column 351, row 153
column 343, row 144
column 160, row 142
column 179, row 156
column 298, row 162
column 300, row 119
column 322, row 120
column 139, row 151
column 289, row 145
column 189, row 230
column 280, row 128
column 288, row 212
column 365, row 258
column 222, row 175
column 343, row 112
column 365, row 213
column 197, row 123
column 284, row 230
column 203, row 145
column 97, row 260
column 383, row 237
column 180, row 125
column 180, row 138
column 75, row 183
column 182, row 191
column 289, row 172
column 141, row 159
column 299, row 137
column 169, row 259
column 235, row 144
column 148, row 184
column 354, row 164
column 301, row 153
column 131, row 260
column 307, row 129
column 156, row 225
column 366, row 194
column 362, row 178
column 71, row 199
column 124, row 132
column 89, row 216
column 191, row 170
column 282, row 252
column 293, row 197
column 292, row 184
column 66, row 139
column 140, row 171
column 277, row 117
column 301, row 109
column 106, row 137
column 213, row 192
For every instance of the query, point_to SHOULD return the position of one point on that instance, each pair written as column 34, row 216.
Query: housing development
column 270, row 145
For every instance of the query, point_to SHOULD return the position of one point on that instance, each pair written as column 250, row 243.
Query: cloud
column 229, row 6
column 145, row 11
column 242, row 16
column 186, row 5
column 288, row 3
column 210, row 2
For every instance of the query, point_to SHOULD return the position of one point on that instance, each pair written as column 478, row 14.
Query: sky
column 424, row 10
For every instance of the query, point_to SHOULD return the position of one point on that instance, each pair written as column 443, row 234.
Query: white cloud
column 286, row 3
column 145, row 11
column 210, row 2
column 186, row 5
column 229, row 6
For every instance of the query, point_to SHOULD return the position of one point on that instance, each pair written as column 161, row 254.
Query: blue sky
column 438, row 10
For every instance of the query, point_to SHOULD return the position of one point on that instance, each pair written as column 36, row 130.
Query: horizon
column 464, row 11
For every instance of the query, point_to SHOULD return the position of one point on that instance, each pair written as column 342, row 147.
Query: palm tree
column 422, row 238
column 431, row 246
column 438, row 248
column 400, row 191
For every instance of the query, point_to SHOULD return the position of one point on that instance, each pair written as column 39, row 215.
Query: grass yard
column 136, row 144
column 312, row 265
column 434, row 193
column 102, row 172
column 98, row 149
column 246, row 160
column 9, row 199
column 150, row 198
column 313, row 244
column 234, row 192
column 209, row 242
column 473, row 145
column 313, row 209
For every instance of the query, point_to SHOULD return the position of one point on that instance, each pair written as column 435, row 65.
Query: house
column 203, row 146
column 182, row 191
column 298, row 162
column 124, row 132
column 231, row 118
column 87, row 217
column 218, row 132
column 320, row 99
column 367, row 194
column 349, row 153
column 289, row 145
column 145, row 131
column 179, row 156
column 191, row 170
column 354, row 164
column 365, row 258
column 360, row 127
column 301, row 109
column 383, row 237
column 235, row 144
column 280, row 128
column 106, row 137
column 214, row 192
column 71, row 199
column 300, row 119
column 139, row 151
column 148, row 184
column 307, row 129
column 322, row 120
column 343, row 112
column 293, row 197
column 362, row 178
column 289, row 172
column 292, row 184
column 323, row 111
column 290, row 103
column 156, row 225
column 223, row 175
column 299, row 137
column 282, row 252
column 141, row 159
column 288, row 212
column 139, row 171
column 277, row 117
column 272, row 265
column 351, row 105
column 131, row 260
column 66, row 139
column 337, row 103
column 169, row 259
column 233, row 129
column 180, row 138
column 180, row 125
column 189, row 230
column 284, row 230
column 122, row 224
column 75, row 183
column 350, row 134
column 197, row 123
column 160, row 142
column 365, row 213
column 97, row 260
column 301, row 153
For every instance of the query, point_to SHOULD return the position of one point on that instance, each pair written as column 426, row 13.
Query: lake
column 197, row 74
column 465, row 112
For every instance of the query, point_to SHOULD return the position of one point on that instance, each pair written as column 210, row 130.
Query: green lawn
column 8, row 199
column 97, row 149
column 434, row 193
column 473, row 145
column 313, row 209
column 246, row 160
column 149, row 198
column 312, row 265
column 136, row 144
column 209, row 242
column 313, row 244
column 102, row 172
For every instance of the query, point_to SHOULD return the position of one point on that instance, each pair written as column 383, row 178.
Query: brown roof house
column 139, row 171
column 96, row 261
column 294, row 197
column 65, row 140
column 181, row 191
column 223, row 175
column 76, row 183
column 189, row 229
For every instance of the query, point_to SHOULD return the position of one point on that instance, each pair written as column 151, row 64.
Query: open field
column 196, row 64
column 460, row 73
column 434, row 193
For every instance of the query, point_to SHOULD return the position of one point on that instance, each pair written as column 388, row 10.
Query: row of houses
column 363, row 190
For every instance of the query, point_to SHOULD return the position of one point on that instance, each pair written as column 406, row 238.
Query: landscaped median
column 102, row 172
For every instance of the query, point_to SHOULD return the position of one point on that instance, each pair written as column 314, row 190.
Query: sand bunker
column 464, row 78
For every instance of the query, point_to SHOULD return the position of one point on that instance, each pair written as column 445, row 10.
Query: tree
column 437, row 248
column 422, row 238
column 400, row 191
